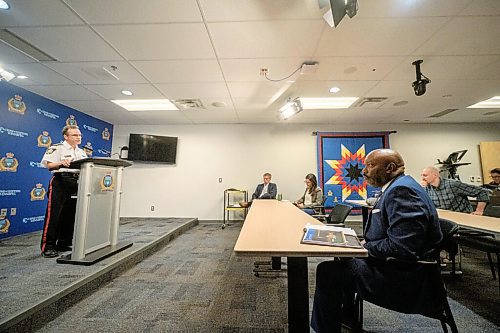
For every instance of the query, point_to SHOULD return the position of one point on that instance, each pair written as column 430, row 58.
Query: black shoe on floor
column 50, row 254
column 64, row 248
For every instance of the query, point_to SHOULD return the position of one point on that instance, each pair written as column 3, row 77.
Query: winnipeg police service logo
column 8, row 163
column 16, row 104
column 88, row 149
column 107, row 183
column 44, row 140
column 71, row 120
column 37, row 193
column 105, row 134
column 4, row 224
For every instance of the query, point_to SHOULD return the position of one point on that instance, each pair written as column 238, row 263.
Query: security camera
column 420, row 84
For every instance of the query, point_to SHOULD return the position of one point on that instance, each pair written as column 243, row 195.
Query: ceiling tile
column 265, row 39
column 150, row 11
column 113, row 91
column 94, row 72
column 230, row 10
column 94, row 106
column 37, row 74
column 9, row 55
column 215, row 90
column 180, row 71
column 26, row 13
column 248, row 70
column 63, row 93
column 482, row 7
column 465, row 36
column 378, row 37
column 118, row 118
column 159, row 41
column 69, row 43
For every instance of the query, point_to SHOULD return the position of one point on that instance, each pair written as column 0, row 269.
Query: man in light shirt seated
column 266, row 190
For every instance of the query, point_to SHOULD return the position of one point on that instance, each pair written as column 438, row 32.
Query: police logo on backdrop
column 8, row 163
column 88, row 149
column 107, row 183
column 71, row 121
column 16, row 105
column 37, row 193
column 44, row 140
column 105, row 134
column 4, row 224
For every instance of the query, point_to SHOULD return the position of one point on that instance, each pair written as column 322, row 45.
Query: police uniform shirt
column 60, row 152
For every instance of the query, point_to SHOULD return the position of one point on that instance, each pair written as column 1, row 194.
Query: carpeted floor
column 196, row 284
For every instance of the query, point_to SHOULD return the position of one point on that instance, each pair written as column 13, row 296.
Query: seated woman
column 313, row 195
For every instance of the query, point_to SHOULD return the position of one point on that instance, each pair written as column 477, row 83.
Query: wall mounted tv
column 152, row 148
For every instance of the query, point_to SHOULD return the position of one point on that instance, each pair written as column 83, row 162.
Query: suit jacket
column 403, row 224
column 272, row 189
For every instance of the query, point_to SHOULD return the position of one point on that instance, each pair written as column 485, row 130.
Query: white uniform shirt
column 63, row 151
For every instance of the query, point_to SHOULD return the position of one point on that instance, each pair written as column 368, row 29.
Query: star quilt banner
column 341, row 158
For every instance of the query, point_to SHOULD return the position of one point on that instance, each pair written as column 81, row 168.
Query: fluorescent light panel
column 327, row 103
column 492, row 103
column 145, row 104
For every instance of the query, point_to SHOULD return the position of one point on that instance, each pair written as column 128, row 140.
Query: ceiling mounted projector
column 339, row 9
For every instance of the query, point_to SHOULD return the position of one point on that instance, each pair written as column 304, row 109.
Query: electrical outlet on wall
column 472, row 179
column 478, row 179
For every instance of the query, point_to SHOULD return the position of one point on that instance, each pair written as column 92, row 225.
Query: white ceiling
column 213, row 50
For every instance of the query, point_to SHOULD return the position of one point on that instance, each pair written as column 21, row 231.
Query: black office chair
column 492, row 210
column 449, row 243
column 435, row 283
column 338, row 215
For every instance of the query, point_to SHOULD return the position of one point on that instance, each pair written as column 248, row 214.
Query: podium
column 97, row 211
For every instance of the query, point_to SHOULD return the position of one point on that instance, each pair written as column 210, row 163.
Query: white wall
column 240, row 154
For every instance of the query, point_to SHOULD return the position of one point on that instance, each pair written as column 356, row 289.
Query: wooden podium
column 97, row 211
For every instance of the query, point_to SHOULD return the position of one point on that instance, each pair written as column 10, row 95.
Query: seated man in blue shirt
column 266, row 190
column 403, row 224
column 452, row 194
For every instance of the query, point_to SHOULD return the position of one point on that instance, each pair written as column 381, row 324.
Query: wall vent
column 442, row 113
column 370, row 102
column 16, row 42
column 190, row 103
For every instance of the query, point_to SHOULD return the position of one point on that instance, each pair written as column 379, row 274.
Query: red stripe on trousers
column 47, row 218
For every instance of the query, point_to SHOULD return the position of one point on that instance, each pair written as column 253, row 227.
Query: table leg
column 298, row 295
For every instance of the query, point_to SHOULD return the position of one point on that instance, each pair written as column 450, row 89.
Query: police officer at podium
column 57, row 234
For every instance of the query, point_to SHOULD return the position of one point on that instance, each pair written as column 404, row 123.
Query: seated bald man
column 404, row 225
column 452, row 194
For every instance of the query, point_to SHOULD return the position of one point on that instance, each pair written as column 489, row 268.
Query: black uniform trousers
column 60, row 214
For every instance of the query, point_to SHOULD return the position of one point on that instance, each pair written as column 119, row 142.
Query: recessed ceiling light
column 219, row 104
column 491, row 103
column 127, row 92
column 145, row 104
column 22, row 77
column 4, row 5
column 334, row 89
column 327, row 103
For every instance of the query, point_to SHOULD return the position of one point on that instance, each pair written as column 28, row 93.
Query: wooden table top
column 275, row 228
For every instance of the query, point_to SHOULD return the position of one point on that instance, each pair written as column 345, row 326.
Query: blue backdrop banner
column 29, row 124
column 341, row 157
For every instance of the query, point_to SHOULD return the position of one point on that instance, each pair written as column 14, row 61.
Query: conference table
column 274, row 228
column 464, row 220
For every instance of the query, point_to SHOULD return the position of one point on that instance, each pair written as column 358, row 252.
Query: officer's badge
column 88, row 149
column 105, row 134
column 107, row 183
column 44, row 140
column 16, row 105
column 4, row 224
column 71, row 120
column 37, row 193
column 8, row 163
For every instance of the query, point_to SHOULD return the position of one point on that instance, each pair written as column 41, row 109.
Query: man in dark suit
column 266, row 190
column 404, row 225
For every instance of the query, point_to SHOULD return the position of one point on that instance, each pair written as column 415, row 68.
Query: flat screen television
column 152, row 148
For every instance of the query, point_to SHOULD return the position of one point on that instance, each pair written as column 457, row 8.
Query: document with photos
column 321, row 234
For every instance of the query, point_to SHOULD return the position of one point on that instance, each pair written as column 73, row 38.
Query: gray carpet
column 196, row 284
column 26, row 278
